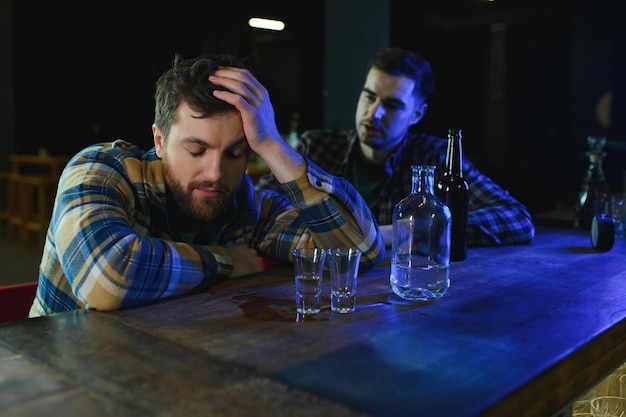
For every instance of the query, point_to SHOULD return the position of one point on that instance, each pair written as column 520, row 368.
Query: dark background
column 86, row 71
column 522, row 79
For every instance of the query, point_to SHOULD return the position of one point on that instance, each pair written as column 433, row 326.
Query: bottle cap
column 602, row 232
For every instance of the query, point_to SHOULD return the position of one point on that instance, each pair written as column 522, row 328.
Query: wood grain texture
column 522, row 331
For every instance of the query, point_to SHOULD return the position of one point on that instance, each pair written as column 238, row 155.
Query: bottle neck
column 454, row 154
column 595, row 171
column 423, row 179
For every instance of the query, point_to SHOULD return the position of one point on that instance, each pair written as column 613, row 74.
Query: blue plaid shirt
column 495, row 217
column 110, row 245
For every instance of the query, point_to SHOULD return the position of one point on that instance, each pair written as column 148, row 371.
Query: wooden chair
column 30, row 207
column 16, row 300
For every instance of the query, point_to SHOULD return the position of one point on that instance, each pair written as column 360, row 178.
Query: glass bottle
column 420, row 246
column 454, row 190
column 594, row 190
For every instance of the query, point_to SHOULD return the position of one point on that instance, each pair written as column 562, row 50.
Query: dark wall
column 353, row 35
column 86, row 73
column 523, row 80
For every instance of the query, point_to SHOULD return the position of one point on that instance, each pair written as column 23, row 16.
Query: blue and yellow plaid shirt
column 110, row 244
column 495, row 217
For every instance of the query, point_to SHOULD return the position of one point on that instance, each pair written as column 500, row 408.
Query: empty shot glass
column 308, row 265
column 344, row 269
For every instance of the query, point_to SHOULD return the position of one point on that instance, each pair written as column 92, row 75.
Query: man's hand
column 245, row 260
column 252, row 101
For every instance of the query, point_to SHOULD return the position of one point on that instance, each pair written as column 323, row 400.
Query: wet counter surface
column 523, row 330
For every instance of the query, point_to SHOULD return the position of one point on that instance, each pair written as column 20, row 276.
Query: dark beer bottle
column 453, row 189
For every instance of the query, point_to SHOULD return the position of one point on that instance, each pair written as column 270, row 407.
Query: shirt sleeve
column 317, row 206
column 495, row 217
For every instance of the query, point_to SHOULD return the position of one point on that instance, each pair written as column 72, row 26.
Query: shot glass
column 308, row 265
column 344, row 268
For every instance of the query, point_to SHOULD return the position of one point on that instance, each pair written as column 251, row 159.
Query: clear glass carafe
column 420, row 247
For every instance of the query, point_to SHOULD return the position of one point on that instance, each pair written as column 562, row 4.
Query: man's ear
column 420, row 111
column 157, row 135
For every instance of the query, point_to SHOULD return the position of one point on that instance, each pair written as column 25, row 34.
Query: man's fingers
column 238, row 81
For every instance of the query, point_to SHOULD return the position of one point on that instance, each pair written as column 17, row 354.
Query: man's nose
column 212, row 167
column 377, row 110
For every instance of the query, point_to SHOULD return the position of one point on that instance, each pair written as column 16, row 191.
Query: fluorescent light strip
column 260, row 23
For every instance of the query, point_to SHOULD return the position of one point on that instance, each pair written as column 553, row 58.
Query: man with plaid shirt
column 376, row 157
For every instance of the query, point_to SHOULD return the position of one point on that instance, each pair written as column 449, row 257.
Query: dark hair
column 188, row 81
column 398, row 61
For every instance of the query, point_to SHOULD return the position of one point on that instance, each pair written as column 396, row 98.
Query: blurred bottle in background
column 594, row 191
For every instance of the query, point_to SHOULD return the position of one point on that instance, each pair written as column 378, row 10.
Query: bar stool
column 31, row 207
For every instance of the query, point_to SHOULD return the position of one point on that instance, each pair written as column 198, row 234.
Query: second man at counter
column 376, row 156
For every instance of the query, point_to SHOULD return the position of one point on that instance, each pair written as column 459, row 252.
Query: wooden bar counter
column 523, row 331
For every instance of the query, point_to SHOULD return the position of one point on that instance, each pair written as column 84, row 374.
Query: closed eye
column 238, row 150
column 235, row 155
column 197, row 154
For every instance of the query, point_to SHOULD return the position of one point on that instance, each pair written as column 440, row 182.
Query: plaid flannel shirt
column 495, row 217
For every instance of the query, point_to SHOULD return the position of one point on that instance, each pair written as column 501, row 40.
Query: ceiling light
column 260, row 23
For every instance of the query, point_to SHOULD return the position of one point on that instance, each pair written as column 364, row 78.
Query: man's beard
column 203, row 210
